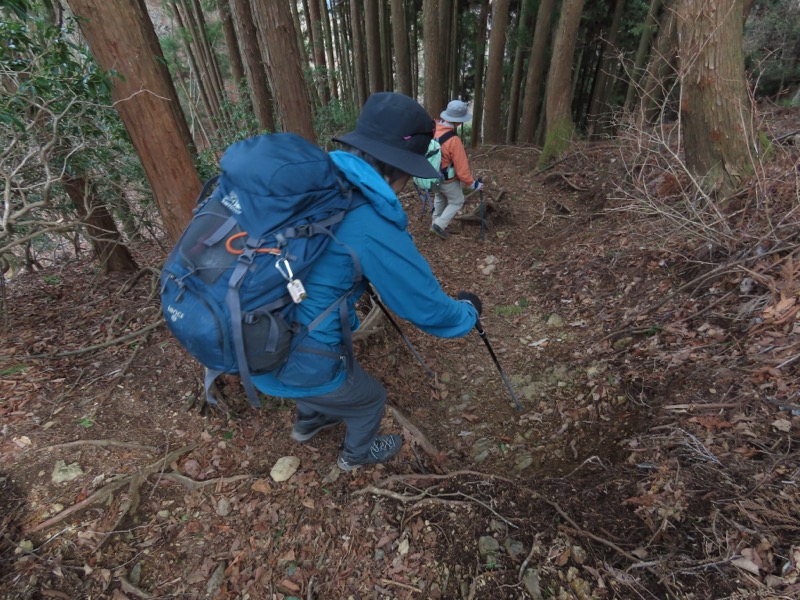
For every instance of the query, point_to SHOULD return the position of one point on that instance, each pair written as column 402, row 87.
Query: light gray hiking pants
column 447, row 203
column 358, row 402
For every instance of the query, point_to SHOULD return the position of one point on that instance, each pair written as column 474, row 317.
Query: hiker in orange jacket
column 455, row 167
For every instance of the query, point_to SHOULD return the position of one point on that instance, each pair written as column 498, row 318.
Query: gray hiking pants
column 358, row 402
column 447, row 203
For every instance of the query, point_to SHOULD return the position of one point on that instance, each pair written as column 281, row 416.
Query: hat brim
column 453, row 119
column 414, row 164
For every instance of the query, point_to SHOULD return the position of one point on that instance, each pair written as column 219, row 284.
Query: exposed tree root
column 133, row 481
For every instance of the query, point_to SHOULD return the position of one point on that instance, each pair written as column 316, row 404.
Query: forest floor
column 656, row 453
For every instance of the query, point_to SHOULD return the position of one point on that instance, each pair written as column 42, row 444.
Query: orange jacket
column 453, row 153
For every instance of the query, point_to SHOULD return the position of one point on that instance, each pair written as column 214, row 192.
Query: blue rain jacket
column 376, row 233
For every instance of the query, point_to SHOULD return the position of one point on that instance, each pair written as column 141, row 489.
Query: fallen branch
column 119, row 340
column 110, row 488
column 419, row 437
column 425, row 497
column 153, row 283
column 114, row 443
column 402, row 585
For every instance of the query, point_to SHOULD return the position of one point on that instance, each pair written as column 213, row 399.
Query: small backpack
column 434, row 156
column 231, row 283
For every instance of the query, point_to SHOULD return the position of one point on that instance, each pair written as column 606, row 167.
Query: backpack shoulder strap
column 446, row 136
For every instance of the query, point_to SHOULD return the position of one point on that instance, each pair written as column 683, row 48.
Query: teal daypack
column 434, row 156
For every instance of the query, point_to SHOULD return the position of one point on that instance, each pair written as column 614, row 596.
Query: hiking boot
column 305, row 429
column 439, row 231
column 383, row 448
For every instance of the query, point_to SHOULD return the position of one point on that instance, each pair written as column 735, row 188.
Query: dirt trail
column 597, row 488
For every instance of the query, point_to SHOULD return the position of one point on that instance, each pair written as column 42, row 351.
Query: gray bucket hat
column 396, row 130
column 456, row 112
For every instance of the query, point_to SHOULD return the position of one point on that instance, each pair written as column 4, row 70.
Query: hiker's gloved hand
column 477, row 185
column 472, row 299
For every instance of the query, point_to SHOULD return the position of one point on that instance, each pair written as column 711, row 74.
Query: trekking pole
column 480, row 192
column 482, row 333
column 377, row 301
column 482, row 228
column 425, row 197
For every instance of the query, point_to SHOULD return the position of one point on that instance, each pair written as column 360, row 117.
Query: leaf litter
column 656, row 453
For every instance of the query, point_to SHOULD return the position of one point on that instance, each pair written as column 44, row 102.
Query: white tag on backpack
column 296, row 290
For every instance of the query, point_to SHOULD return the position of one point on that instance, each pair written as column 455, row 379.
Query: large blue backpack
column 230, row 285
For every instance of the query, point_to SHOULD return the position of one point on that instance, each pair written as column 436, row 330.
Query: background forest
column 641, row 265
column 188, row 78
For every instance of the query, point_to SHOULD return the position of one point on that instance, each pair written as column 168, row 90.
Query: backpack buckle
column 302, row 230
column 247, row 256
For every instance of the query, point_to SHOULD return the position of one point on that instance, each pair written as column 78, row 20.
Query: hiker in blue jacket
column 385, row 150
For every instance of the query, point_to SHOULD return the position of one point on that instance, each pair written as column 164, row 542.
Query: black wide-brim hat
column 396, row 130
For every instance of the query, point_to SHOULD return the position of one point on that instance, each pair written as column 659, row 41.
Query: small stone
column 514, row 547
column 403, row 547
column 555, row 321
column 578, row 554
column 531, row 582
column 487, row 545
column 24, row 546
column 223, row 507
column 63, row 472
column 284, row 468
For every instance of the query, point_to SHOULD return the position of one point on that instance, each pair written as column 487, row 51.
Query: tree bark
column 260, row 93
column 447, row 40
column 522, row 38
column 359, row 72
column 386, row 44
column 206, row 96
column 231, row 43
column 402, row 55
column 373, row 38
column 210, row 56
column 480, row 58
column 662, row 67
column 433, row 88
column 534, row 77
column 641, row 53
column 338, row 32
column 121, row 37
column 492, row 114
column 333, row 80
column 320, row 63
column 716, row 110
column 282, row 56
column 599, row 105
column 101, row 229
column 560, row 126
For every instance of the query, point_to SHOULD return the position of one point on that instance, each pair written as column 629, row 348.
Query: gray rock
column 531, row 581
column 63, row 472
column 487, row 545
column 514, row 547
